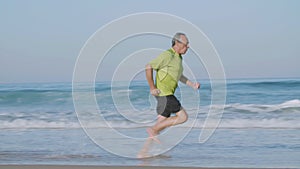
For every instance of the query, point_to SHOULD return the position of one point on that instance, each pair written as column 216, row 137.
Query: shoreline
column 108, row 167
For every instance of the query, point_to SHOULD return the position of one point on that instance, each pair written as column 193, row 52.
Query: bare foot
column 143, row 155
column 153, row 134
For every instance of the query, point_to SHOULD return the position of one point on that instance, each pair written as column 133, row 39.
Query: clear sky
column 40, row 40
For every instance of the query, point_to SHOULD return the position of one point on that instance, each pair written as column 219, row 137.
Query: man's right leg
column 151, row 131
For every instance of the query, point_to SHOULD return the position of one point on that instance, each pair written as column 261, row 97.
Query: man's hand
column 155, row 92
column 196, row 85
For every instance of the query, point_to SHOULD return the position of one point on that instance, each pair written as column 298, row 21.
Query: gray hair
column 177, row 37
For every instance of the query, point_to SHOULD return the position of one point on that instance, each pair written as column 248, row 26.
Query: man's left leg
column 164, row 122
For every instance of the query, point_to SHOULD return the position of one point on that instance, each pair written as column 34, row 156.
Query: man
column 169, row 71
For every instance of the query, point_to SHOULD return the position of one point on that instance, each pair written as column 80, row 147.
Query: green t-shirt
column 169, row 70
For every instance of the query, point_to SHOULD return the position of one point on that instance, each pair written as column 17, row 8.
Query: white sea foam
column 225, row 123
column 260, row 108
column 37, row 124
column 284, row 115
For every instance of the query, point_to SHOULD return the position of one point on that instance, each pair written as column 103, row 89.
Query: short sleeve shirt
column 169, row 69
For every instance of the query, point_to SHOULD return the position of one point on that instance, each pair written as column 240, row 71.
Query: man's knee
column 182, row 116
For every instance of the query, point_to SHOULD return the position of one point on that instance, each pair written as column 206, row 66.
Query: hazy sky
column 40, row 40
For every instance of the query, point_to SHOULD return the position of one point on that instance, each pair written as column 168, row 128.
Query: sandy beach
column 96, row 167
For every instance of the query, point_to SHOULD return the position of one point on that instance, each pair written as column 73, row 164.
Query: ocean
column 260, row 125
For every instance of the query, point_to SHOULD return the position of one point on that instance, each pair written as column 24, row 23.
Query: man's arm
column 149, row 76
column 186, row 81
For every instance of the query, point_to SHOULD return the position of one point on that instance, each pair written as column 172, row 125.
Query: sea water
column 260, row 125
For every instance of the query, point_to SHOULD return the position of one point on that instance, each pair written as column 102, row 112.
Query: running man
column 168, row 66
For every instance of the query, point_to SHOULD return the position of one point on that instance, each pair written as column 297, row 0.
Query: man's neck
column 175, row 49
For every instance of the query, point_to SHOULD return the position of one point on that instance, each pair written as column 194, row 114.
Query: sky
column 41, row 40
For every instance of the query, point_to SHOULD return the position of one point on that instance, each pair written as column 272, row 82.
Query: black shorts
column 167, row 105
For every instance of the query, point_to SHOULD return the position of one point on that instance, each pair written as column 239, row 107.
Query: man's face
column 183, row 44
